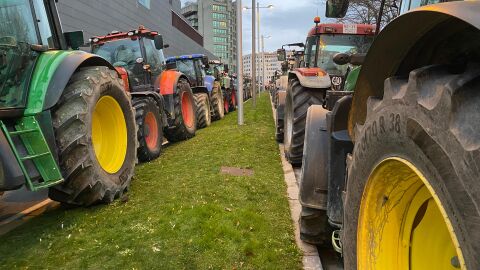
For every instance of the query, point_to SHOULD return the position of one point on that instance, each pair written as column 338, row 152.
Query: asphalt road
column 18, row 206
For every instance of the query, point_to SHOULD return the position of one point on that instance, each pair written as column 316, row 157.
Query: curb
column 311, row 258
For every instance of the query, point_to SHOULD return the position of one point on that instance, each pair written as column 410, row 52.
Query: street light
column 263, row 60
column 254, row 65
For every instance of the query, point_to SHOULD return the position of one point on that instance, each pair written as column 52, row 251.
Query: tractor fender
column 311, row 77
column 168, row 81
column 209, row 80
column 71, row 61
column 397, row 49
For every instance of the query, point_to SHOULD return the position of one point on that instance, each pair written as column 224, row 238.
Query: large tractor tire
column 280, row 116
column 232, row 105
column 313, row 195
column 413, row 180
column 150, row 128
column 185, row 124
column 217, row 102
column 226, row 102
column 95, row 131
column 297, row 101
column 202, row 105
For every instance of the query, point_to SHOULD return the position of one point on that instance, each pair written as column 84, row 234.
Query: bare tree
column 366, row 11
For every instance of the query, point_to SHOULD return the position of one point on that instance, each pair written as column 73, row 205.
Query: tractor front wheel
column 280, row 116
column 232, row 106
column 412, row 187
column 150, row 130
column 202, row 105
column 94, row 126
column 185, row 124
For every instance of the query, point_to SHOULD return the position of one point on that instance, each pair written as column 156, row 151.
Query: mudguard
column 53, row 71
column 397, row 49
column 169, row 80
column 311, row 77
column 209, row 80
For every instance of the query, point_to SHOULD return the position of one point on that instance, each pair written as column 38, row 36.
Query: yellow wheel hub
column 109, row 134
column 402, row 224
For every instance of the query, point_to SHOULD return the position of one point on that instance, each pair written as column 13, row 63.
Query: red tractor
column 161, row 95
column 318, row 75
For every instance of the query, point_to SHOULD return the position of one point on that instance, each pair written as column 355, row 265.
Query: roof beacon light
column 316, row 19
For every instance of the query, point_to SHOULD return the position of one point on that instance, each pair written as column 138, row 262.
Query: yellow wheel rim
column 402, row 224
column 109, row 134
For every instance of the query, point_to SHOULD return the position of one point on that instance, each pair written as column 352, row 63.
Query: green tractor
column 394, row 169
column 66, row 122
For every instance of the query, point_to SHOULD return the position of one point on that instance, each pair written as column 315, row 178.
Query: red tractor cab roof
column 141, row 31
column 338, row 28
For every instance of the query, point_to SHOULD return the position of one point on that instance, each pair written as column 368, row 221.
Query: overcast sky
column 288, row 22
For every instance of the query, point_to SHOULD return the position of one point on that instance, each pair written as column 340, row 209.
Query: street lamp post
column 263, row 60
column 239, row 63
column 255, row 17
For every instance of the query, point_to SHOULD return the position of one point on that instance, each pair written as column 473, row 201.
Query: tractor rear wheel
column 413, row 177
column 297, row 101
column 150, row 130
column 217, row 102
column 95, row 131
column 202, row 105
column 185, row 124
column 280, row 116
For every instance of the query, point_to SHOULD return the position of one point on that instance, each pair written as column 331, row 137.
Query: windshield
column 17, row 32
column 331, row 45
column 121, row 53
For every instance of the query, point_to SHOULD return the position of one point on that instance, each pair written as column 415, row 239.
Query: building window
column 220, row 39
column 145, row 3
column 220, row 48
column 218, row 24
column 219, row 16
column 219, row 8
column 219, row 31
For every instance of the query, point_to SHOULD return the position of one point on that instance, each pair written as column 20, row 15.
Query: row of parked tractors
column 385, row 128
column 77, row 122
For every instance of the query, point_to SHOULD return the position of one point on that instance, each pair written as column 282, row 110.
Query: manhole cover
column 236, row 171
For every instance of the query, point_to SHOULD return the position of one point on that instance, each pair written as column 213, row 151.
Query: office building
column 216, row 21
column 101, row 17
column 271, row 65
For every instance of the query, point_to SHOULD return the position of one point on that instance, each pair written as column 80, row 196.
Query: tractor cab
column 324, row 41
column 193, row 66
column 136, row 54
column 25, row 32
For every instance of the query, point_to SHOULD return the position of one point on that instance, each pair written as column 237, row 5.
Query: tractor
column 309, row 84
column 161, row 96
column 66, row 122
column 281, row 85
column 393, row 169
column 224, row 80
column 207, row 94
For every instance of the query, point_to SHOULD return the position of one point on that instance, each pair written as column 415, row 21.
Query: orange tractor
column 160, row 94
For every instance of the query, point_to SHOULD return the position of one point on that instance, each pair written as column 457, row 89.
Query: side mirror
column 171, row 65
column 166, row 46
column 341, row 58
column 74, row 39
column 281, row 55
column 357, row 58
column 225, row 68
column 336, row 8
column 205, row 61
column 158, row 40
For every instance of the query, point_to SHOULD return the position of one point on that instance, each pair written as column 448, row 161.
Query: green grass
column 181, row 213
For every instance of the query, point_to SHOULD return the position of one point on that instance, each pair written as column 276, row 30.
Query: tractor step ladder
column 30, row 133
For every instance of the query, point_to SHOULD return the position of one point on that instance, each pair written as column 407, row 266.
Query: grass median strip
column 182, row 212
